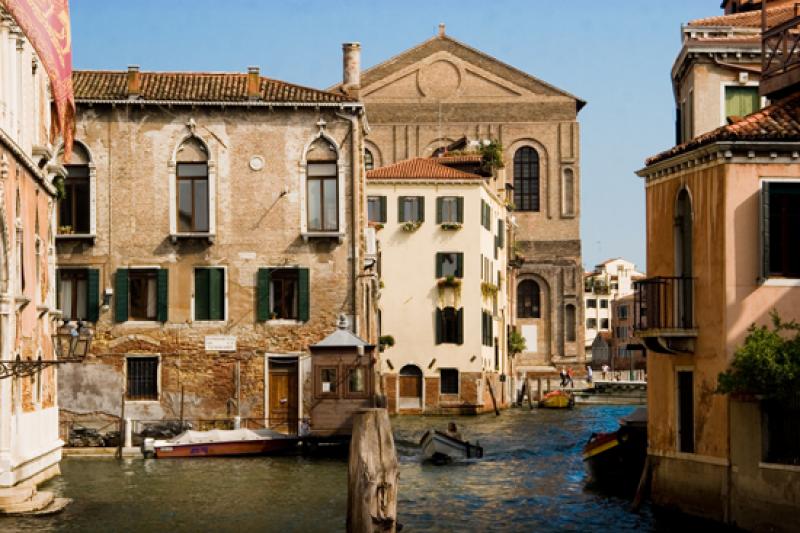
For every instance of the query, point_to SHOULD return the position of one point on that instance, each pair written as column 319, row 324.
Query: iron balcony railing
column 780, row 47
column 664, row 303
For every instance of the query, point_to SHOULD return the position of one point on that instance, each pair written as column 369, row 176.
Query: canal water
column 532, row 478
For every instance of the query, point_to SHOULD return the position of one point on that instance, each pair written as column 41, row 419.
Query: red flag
column 46, row 25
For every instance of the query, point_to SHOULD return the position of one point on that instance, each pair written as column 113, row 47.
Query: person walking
column 563, row 374
column 589, row 374
column 569, row 378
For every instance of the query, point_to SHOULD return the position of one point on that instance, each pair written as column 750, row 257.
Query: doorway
column 283, row 403
column 410, row 387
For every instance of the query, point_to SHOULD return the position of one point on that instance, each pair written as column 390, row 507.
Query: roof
column 749, row 19
column 457, row 159
column 342, row 338
column 228, row 87
column 777, row 122
column 420, row 168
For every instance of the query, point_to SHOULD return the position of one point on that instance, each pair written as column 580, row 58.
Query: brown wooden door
column 410, row 386
column 283, row 398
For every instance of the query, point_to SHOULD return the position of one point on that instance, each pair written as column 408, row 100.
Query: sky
column 615, row 54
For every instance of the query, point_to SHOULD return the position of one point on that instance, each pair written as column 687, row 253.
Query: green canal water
column 531, row 479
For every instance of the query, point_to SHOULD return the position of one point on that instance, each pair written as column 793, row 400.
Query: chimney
column 351, row 73
column 253, row 83
column 134, row 82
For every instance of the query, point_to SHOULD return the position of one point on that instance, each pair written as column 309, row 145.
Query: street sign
column 220, row 343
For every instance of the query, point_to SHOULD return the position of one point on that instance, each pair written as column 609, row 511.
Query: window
column 78, row 293
column 591, row 323
column 569, row 318
column 448, row 381
column 741, row 101
column 686, row 411
column 569, row 192
column 487, row 328
column 209, row 294
column 327, row 381
column 591, row 303
column 449, row 210
column 528, row 299
column 526, row 179
column 622, row 310
column 781, row 426
column 356, row 381
column 192, row 197
column 141, row 294
column 603, row 304
column 142, row 377
column 376, row 209
column 780, row 226
column 369, row 160
column 283, row 293
column 450, row 326
column 411, row 208
column 449, row 264
column 603, row 323
column 74, row 208
column 500, row 240
column 322, row 187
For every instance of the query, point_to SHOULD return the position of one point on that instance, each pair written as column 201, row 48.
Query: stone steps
column 14, row 495
column 37, row 502
column 26, row 500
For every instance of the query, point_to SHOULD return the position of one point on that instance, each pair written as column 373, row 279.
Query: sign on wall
column 220, row 343
column 531, row 338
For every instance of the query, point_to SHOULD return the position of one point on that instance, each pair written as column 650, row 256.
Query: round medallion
column 256, row 162
column 439, row 79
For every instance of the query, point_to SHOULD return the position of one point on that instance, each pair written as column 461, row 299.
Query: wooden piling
column 644, row 485
column 494, row 401
column 181, row 407
column 118, row 453
column 530, row 392
column 372, row 474
column 539, row 389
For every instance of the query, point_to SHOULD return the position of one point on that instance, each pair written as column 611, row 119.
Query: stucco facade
column 442, row 92
column 258, row 153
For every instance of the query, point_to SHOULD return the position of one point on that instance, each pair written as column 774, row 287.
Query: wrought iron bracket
column 25, row 368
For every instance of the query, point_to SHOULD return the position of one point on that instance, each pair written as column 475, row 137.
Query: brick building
column 213, row 230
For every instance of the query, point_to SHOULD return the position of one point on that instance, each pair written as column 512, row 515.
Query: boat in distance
column 439, row 447
column 220, row 443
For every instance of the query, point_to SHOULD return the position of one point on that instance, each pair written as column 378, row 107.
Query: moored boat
column 440, row 447
column 557, row 399
column 616, row 459
column 219, row 443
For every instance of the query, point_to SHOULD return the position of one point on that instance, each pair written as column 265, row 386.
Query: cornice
column 26, row 161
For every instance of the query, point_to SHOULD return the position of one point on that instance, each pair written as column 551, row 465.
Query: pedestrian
column 589, row 374
column 563, row 374
column 569, row 377
column 605, row 371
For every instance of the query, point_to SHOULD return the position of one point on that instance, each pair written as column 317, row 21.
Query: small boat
column 219, row 443
column 440, row 447
column 557, row 399
column 616, row 459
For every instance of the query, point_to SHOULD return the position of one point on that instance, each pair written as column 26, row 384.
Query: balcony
column 664, row 314
column 780, row 53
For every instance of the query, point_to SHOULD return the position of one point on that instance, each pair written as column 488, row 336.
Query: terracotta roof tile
column 777, row 122
column 456, row 159
column 194, row 87
column 750, row 19
column 420, row 168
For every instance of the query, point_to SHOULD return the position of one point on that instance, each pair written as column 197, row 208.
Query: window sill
column 781, row 282
column 141, row 323
column 208, row 236
column 76, row 237
column 142, row 401
column 283, row 322
column 322, row 235
column 779, row 466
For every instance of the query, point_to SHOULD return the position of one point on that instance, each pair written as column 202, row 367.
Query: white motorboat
column 440, row 447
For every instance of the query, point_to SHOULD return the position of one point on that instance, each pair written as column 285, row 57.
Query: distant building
column 609, row 280
column 626, row 349
column 443, row 261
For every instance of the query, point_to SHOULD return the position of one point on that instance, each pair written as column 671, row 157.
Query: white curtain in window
column 152, row 297
column 65, row 296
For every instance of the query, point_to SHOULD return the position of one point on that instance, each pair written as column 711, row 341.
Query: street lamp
column 71, row 344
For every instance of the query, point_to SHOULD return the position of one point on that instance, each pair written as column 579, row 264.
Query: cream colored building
column 610, row 280
column 443, row 249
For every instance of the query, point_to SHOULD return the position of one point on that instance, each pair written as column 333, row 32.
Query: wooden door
column 283, row 397
column 410, row 386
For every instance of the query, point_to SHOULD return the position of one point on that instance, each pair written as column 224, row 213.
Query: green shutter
column 121, row 295
column 460, row 209
column 201, row 294
column 163, row 295
column 741, row 101
column 439, row 206
column 382, row 203
column 216, row 293
column 501, row 232
column 765, row 267
column 438, row 326
column 92, row 294
column 438, row 265
column 304, row 295
column 460, row 265
column 460, row 326
column 400, row 208
column 262, row 295
column 421, row 208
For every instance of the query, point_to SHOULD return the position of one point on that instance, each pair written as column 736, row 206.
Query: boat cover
column 224, row 435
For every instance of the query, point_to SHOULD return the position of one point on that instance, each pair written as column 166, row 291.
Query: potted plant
column 450, row 226
column 488, row 289
column 411, row 226
column 385, row 341
column 377, row 225
column 65, row 230
column 449, row 281
column 273, row 315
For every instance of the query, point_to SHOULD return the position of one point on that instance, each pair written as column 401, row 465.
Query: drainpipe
column 355, row 169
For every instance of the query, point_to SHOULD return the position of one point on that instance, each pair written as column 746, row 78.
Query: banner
column 46, row 25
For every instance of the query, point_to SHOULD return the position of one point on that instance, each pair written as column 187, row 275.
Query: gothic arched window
column 526, row 179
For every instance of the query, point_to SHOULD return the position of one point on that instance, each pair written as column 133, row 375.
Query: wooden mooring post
column 372, row 474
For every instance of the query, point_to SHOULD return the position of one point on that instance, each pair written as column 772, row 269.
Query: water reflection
column 531, row 479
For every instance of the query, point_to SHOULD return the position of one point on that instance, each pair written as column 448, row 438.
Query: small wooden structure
column 343, row 382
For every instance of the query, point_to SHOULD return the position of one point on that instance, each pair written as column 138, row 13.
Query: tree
column 516, row 342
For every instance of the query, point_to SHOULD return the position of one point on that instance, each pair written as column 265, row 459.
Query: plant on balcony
column 449, row 281
column 385, row 341
column 510, row 206
column 411, row 226
column 450, row 226
column 488, row 289
column 377, row 225
column 65, row 230
column 516, row 343
column 491, row 156
column 767, row 365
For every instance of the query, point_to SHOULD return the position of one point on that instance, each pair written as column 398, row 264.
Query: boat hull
column 557, row 400
column 223, row 449
column 616, row 460
column 440, row 447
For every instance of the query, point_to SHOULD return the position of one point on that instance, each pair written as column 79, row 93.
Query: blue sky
column 615, row 54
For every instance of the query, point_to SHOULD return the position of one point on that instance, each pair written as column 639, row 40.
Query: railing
column 780, row 52
column 664, row 303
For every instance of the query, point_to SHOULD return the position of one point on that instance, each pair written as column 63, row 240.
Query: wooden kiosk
column 343, row 382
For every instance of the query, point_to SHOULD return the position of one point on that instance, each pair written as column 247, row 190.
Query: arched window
column 322, row 190
column 569, row 192
column 526, row 179
column 683, row 234
column 74, row 211
column 191, row 174
column 528, row 299
column 369, row 160
column 569, row 319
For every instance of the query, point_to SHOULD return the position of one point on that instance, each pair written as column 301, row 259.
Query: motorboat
column 558, row 399
column 616, row 459
column 220, row 442
column 439, row 447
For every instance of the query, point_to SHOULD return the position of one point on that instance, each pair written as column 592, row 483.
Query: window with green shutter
column 262, row 296
column 284, row 294
column 410, row 208
column 121, row 285
column 449, row 210
column 501, row 233
column 141, row 294
column 209, row 293
column 449, row 326
column 376, row 209
column 78, row 294
column 450, row 264
column 162, row 294
column 741, row 101
column 93, row 295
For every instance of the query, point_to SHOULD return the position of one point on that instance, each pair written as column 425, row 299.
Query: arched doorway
column 410, row 387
